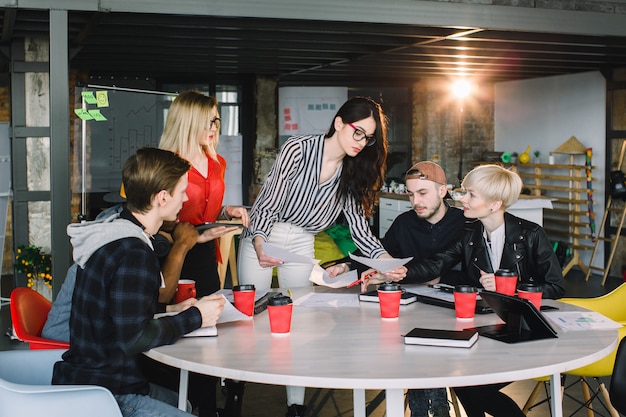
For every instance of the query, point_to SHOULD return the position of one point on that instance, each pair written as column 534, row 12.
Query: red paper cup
column 506, row 282
column 186, row 289
column 464, row 302
column 244, row 298
column 532, row 293
column 389, row 300
column 280, row 308
column 280, row 318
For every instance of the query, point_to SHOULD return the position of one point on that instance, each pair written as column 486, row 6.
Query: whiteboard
column 308, row 110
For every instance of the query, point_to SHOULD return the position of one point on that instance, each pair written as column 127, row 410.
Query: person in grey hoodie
column 117, row 290
column 184, row 236
column 57, row 327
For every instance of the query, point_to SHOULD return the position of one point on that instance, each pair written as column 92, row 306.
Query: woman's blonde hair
column 188, row 117
column 494, row 183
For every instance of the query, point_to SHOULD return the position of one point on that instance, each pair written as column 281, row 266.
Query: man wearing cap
column 431, row 226
column 420, row 233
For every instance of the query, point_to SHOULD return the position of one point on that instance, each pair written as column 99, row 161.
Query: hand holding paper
column 320, row 276
column 383, row 266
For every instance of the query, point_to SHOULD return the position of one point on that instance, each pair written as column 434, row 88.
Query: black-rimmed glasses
column 359, row 135
column 215, row 123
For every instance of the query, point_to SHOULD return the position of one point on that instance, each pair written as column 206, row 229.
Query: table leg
column 182, row 389
column 557, row 396
column 359, row 402
column 394, row 398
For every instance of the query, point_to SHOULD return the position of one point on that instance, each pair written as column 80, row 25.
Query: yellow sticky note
column 97, row 115
column 103, row 98
column 83, row 114
column 89, row 97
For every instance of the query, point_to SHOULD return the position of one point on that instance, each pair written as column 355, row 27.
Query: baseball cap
column 427, row 170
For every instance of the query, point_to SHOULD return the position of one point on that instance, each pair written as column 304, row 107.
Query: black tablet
column 211, row 225
column 522, row 321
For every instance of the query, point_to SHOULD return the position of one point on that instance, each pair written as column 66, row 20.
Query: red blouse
column 205, row 195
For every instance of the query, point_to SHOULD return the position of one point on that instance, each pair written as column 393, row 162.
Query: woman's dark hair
column 363, row 175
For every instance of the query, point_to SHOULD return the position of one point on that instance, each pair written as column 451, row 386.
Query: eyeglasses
column 359, row 135
column 215, row 123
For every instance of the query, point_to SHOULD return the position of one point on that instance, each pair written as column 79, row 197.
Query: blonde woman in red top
column 192, row 131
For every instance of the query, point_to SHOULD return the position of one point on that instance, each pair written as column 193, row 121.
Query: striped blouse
column 292, row 194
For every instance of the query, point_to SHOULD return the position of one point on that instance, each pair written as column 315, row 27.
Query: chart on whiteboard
column 118, row 123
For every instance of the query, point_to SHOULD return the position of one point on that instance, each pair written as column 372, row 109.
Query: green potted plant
column 37, row 266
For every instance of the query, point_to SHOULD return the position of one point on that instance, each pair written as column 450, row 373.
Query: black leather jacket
column 527, row 250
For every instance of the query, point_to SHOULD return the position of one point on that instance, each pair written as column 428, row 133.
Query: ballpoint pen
column 352, row 284
column 360, row 280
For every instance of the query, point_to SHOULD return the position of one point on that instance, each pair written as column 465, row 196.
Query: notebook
column 438, row 337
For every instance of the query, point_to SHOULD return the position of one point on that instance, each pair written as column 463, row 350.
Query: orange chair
column 29, row 312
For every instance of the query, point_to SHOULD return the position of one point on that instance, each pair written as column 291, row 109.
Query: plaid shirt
column 111, row 323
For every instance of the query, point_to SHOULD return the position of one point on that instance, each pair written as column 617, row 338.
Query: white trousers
column 290, row 275
column 295, row 239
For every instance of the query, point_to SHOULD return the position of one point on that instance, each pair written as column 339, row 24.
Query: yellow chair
column 613, row 306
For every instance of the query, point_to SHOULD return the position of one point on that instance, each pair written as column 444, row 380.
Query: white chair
column 26, row 390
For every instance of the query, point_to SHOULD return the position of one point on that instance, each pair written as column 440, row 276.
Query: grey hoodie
column 88, row 237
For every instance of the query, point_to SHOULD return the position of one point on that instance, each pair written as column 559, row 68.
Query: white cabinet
column 389, row 209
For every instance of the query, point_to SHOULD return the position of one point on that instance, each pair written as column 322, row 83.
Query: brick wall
column 441, row 130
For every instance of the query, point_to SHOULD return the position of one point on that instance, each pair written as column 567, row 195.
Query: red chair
column 29, row 312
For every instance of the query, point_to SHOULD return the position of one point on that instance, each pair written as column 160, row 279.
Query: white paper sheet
column 332, row 300
column 381, row 264
column 581, row 320
column 285, row 255
column 230, row 313
column 320, row 276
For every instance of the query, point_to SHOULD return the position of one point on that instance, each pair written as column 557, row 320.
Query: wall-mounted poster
column 305, row 110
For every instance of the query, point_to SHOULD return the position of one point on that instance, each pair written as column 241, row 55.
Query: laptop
column 522, row 321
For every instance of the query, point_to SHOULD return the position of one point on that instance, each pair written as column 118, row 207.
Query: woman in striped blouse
column 316, row 178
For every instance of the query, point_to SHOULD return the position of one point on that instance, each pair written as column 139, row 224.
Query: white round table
column 353, row 348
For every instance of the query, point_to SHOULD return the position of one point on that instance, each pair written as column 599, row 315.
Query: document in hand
column 437, row 337
column 381, row 264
